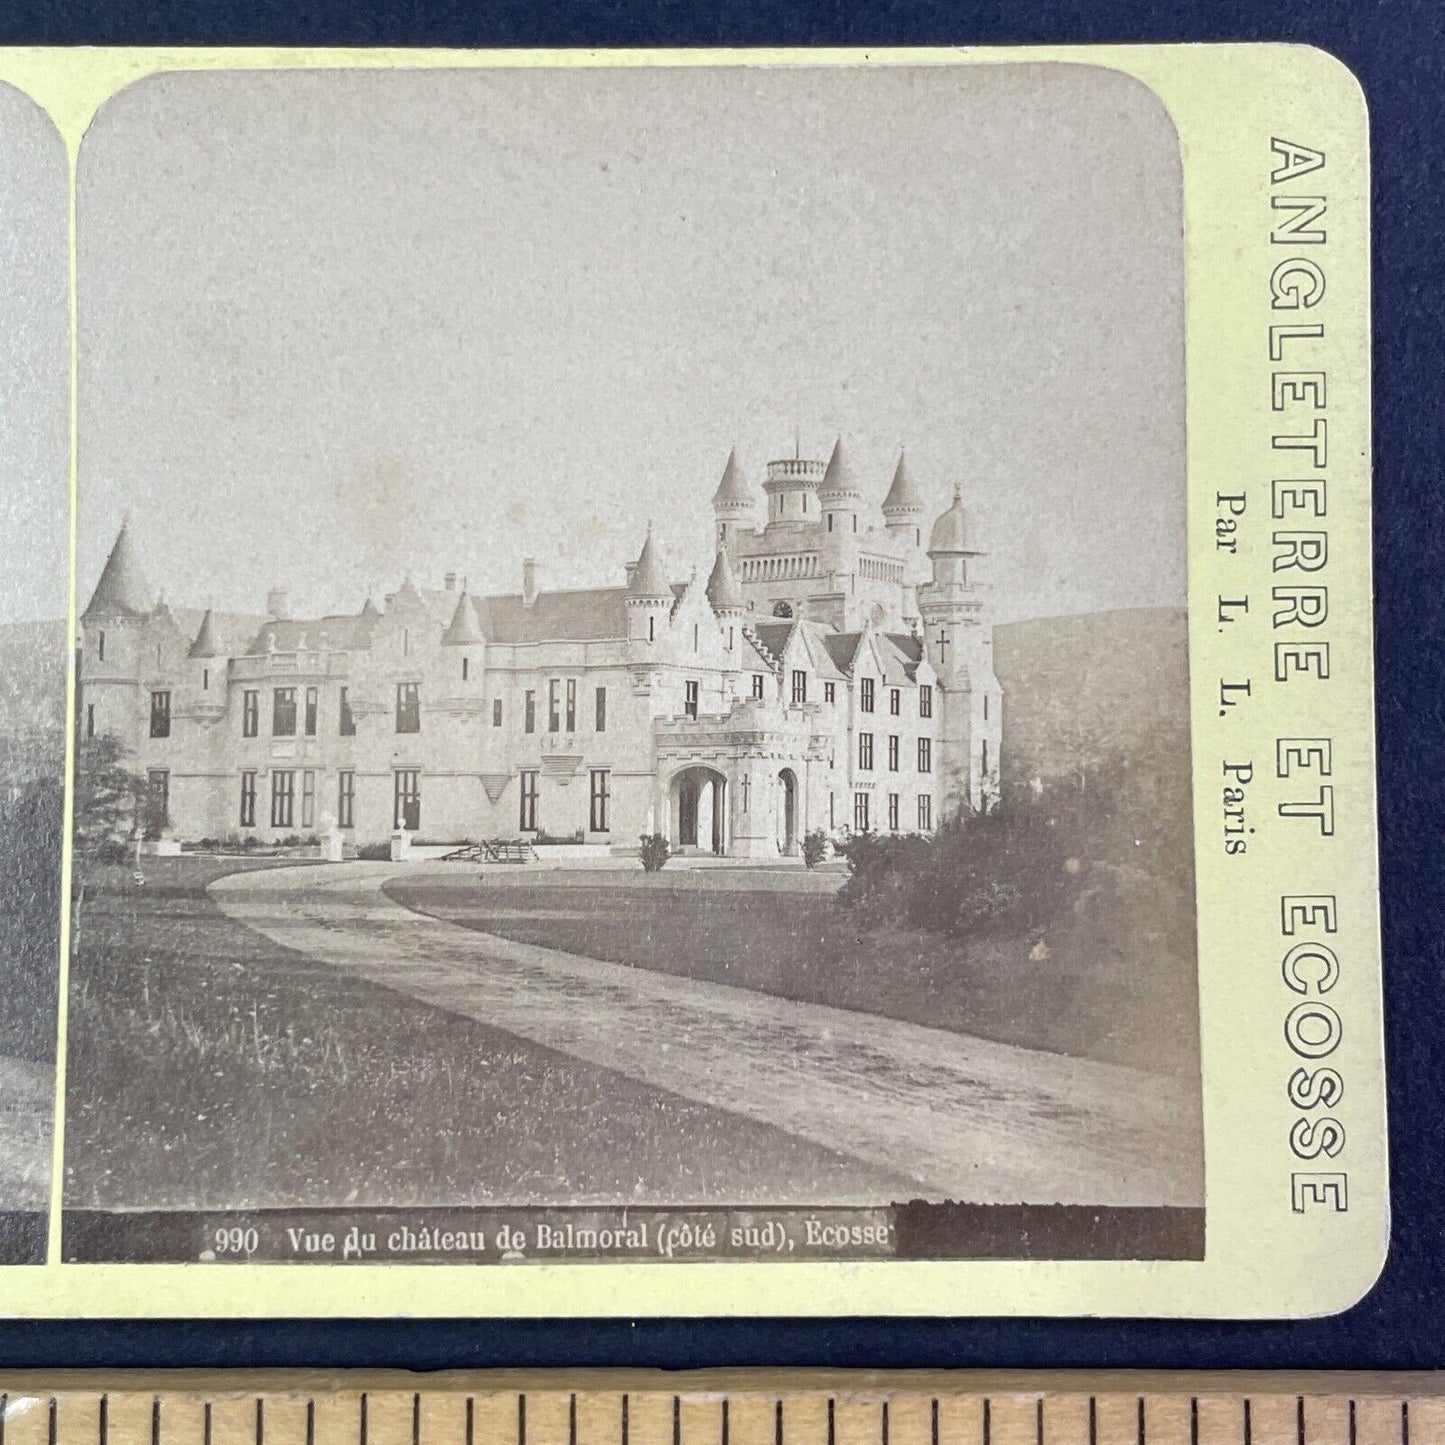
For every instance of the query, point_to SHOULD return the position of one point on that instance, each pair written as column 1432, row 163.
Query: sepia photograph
column 34, row 505
column 633, row 693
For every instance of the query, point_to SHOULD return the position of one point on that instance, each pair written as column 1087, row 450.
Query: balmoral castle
column 834, row 671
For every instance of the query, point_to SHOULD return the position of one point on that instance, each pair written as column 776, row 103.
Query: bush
column 815, row 847
column 374, row 852
column 250, row 842
column 654, row 851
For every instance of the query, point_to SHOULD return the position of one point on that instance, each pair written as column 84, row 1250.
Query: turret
column 733, row 502
column 114, row 627
column 122, row 593
column 903, row 506
column 839, row 495
column 959, row 642
column 649, row 596
column 792, row 490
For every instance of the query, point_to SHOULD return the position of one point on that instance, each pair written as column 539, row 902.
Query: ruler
column 722, row 1408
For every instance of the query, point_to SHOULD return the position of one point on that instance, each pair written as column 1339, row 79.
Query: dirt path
column 27, row 1100
column 968, row 1119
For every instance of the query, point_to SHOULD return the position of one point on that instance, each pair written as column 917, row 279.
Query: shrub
column 654, row 851
column 250, row 842
column 815, row 847
column 374, row 852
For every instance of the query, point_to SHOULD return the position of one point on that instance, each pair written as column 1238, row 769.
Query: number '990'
column 237, row 1240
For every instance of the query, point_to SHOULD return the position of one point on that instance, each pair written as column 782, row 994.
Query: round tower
column 840, row 496
column 903, row 507
column 649, row 596
column 726, row 597
column 792, row 490
column 113, row 628
column 732, row 503
column 464, row 635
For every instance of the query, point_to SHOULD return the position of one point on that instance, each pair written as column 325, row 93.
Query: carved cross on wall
column 941, row 642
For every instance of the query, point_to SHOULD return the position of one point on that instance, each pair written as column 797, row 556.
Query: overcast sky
column 337, row 326
column 34, row 362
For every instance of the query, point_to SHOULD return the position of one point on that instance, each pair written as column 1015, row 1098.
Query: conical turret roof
column 733, row 490
column 902, row 496
column 838, row 478
column 462, row 629
column 122, row 590
column 648, row 578
column 723, row 591
column 205, row 644
column 953, row 531
column 369, row 609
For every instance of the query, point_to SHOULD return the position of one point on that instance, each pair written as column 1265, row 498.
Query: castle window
column 527, row 813
column 895, row 701
column 406, row 800
column 652, row 629
column 925, row 755
column 832, row 811
column 308, row 799
column 406, row 641
column 283, row 712
column 758, row 686
column 250, row 713
column 248, row 800
column 601, row 796
column 312, row 702
column 90, row 719
column 347, row 720
column 602, row 709
column 205, row 679
column 865, row 694
column 860, row 812
column 345, row 799
column 496, row 712
column 694, row 637
column 690, row 698
column 571, row 704
column 893, row 812
column 408, row 707
column 855, row 521
column 925, row 812
column 918, row 536
column 732, row 638
column 830, row 692
column 160, row 714
column 529, row 723
column 800, row 685
column 465, row 668
column 925, row 701
column 983, row 768
column 830, row 521
column 985, row 707
column 893, row 752
column 100, row 646
column 283, row 797
column 554, row 705
column 865, row 752
column 157, row 802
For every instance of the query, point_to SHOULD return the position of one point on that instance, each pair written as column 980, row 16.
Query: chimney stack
column 276, row 608
column 450, row 581
column 529, row 581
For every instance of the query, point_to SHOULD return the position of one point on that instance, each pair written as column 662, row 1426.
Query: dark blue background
column 1396, row 51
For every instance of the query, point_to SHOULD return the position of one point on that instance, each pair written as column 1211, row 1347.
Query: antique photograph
column 633, row 684
column 34, row 504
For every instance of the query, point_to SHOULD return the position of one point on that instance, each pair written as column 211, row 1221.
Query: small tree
column 109, row 797
column 654, row 850
column 815, row 847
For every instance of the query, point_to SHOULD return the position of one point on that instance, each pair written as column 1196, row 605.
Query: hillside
column 32, row 677
column 1079, row 691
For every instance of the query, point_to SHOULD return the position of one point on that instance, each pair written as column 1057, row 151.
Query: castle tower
column 649, row 596
column 113, row 629
column 903, row 507
column 206, row 665
column 726, row 597
column 792, row 490
column 464, row 634
column 841, row 500
column 959, row 642
column 733, row 502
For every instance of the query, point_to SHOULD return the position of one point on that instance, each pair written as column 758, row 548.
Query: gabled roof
column 594, row 614
column 842, row 648
column 122, row 590
column 902, row 496
column 733, row 489
column 774, row 635
column 838, row 477
column 723, row 591
column 205, row 644
column 648, row 579
column 463, row 629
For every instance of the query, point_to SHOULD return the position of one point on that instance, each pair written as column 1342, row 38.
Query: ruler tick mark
column 1352, row 1422
column 1093, row 1420
column 102, row 1423
column 1404, row 1422
column 1039, row 1421
column 1194, row 1420
column 1248, row 1423
column 206, row 1424
column 155, row 1420
column 725, row 1427
column 778, row 1424
column 416, row 1419
column 471, row 1420
column 987, row 1422
column 260, row 1421
column 832, row 1436
column 362, row 1420
column 521, row 1420
column 883, row 1424
column 1299, row 1419
column 310, row 1423
column 1141, row 1420
column 572, row 1419
column 51, row 1423
column 676, row 1420
column 626, row 1423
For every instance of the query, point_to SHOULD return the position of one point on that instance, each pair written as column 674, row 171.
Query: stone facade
column 830, row 673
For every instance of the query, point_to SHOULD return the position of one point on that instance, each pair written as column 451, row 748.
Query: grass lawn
column 211, row 1068
column 805, row 945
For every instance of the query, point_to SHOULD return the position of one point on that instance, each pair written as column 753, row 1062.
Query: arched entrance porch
column 698, row 805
